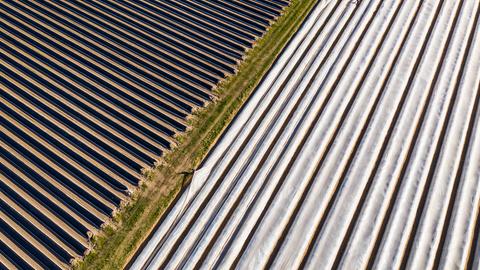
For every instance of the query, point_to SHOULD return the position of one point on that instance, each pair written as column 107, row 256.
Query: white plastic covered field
column 359, row 150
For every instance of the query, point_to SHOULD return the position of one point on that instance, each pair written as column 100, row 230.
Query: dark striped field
column 92, row 92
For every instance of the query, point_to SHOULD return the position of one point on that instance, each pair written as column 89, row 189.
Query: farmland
column 93, row 94
column 360, row 149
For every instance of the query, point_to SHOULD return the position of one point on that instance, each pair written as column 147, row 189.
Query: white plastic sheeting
column 360, row 149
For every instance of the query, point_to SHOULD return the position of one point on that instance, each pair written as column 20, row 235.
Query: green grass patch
column 114, row 246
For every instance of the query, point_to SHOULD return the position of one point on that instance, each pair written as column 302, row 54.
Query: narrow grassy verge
column 117, row 243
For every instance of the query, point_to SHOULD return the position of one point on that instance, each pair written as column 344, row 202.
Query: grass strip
column 114, row 246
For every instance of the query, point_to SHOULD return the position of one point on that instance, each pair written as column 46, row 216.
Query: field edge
column 119, row 240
